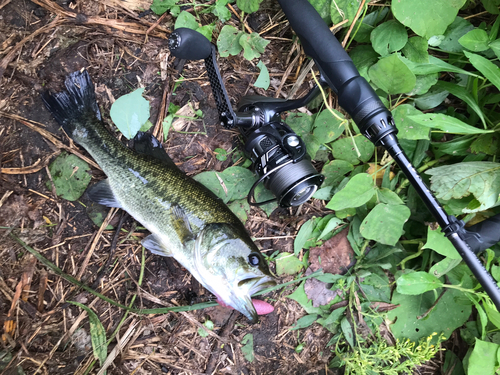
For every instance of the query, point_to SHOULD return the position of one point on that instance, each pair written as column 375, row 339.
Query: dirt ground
column 40, row 42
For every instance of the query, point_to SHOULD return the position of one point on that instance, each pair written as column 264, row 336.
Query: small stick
column 241, row 20
column 344, row 42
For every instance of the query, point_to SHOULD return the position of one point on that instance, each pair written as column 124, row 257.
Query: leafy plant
column 70, row 176
column 130, row 112
column 232, row 41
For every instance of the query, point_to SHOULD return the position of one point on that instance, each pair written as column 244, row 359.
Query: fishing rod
column 279, row 155
column 376, row 123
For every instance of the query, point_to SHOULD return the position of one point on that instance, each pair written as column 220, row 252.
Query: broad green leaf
column 423, row 84
column 384, row 223
column 486, row 67
column 493, row 315
column 327, row 127
column 483, row 358
column 248, row 6
column 301, row 124
column 476, row 40
column 486, row 143
column 446, row 316
column 341, row 10
column 453, row 33
column 392, row 75
column 161, row 6
column 300, row 296
column 240, row 208
column 491, row 6
column 388, row 37
column 247, row 348
column 434, row 65
column 431, row 99
column 253, row 45
column 446, row 124
column 209, row 325
column 426, row 17
column 389, row 197
column 363, row 56
column 332, row 224
column 97, row 334
column 263, row 80
column 482, row 179
column 186, row 19
column 221, row 11
column 347, row 331
column 261, row 195
column 444, row 266
column 70, row 176
column 335, row 172
column 416, row 50
column 288, row 264
column 129, row 112
column 407, row 128
column 323, row 8
column 437, row 241
column 304, row 322
column 231, row 184
column 495, row 46
column 343, row 149
column 228, row 42
column 206, row 30
column 464, row 95
column 359, row 190
column 304, row 235
column 415, row 283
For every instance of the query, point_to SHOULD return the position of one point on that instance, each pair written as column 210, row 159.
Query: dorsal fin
column 147, row 144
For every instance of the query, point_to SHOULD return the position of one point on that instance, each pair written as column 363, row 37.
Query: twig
column 344, row 42
column 241, row 19
column 214, row 354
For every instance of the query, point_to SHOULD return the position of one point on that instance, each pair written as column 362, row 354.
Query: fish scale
column 186, row 220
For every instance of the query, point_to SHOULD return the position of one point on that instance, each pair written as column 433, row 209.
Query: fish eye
column 253, row 260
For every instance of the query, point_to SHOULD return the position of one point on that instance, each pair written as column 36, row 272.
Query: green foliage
column 70, row 176
column 263, row 80
column 231, row 41
column 162, row 6
column 288, row 264
column 208, row 325
column 247, row 348
column 248, row 6
column 130, row 112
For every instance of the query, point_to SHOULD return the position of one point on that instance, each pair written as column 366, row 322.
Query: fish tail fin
column 70, row 108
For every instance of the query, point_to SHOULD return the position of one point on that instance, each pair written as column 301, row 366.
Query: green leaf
column 389, row 197
column 482, row 179
column 209, row 325
column 335, row 172
column 434, row 65
column 161, row 6
column 327, row 127
column 261, row 195
column 491, row 6
column 446, row 124
column 407, row 128
column 343, row 149
column 392, row 75
column 129, row 112
column 495, row 46
column 236, row 180
column 341, row 10
column 323, row 8
column 299, row 295
column 415, row 283
column 347, row 331
column 240, row 208
column 97, row 334
column 432, row 98
column 247, row 348
column 389, row 37
column 186, row 19
column 359, row 190
column 486, row 143
column 207, row 31
column 363, row 56
column 486, row 67
column 288, row 264
column 263, row 80
column 253, row 45
column 228, row 42
column 221, row 11
column 444, row 266
column 464, row 95
column 384, row 223
column 304, row 322
column 248, row 6
column 446, row 316
column 476, row 40
column 493, row 315
column 454, row 32
column 483, row 359
column 70, row 177
column 440, row 244
column 416, row 50
column 301, row 124
column 426, row 17
column 305, row 233
column 220, row 154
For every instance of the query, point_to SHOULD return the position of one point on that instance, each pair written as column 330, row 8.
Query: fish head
column 231, row 266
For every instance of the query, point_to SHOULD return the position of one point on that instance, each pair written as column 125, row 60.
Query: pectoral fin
column 153, row 244
column 180, row 223
column 101, row 193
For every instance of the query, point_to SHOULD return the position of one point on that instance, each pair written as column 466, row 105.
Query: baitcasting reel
column 278, row 155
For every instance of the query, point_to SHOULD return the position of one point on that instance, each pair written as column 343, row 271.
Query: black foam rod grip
column 355, row 94
column 489, row 232
column 189, row 44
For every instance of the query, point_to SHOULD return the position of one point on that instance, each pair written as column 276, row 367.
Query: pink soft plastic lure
column 262, row 307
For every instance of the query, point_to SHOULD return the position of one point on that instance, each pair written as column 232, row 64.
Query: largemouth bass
column 186, row 220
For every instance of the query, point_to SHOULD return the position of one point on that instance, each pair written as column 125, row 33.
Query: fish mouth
column 243, row 302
